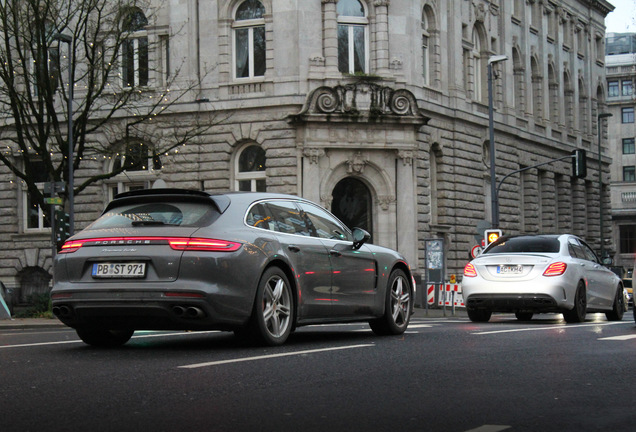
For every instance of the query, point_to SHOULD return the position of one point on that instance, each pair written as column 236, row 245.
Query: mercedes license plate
column 510, row 269
column 119, row 270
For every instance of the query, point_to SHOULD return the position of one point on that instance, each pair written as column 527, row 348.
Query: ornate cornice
column 361, row 101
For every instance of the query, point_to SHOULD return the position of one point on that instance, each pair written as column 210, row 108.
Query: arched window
column 352, row 204
column 478, row 60
column 137, row 166
column 34, row 216
column 250, row 169
column 134, row 49
column 519, row 87
column 249, row 40
column 136, row 157
column 568, row 109
column 584, row 115
column 352, row 37
column 429, row 33
column 537, row 89
column 426, row 61
column 553, row 94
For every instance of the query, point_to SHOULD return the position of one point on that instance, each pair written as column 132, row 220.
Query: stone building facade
column 378, row 109
column 620, row 61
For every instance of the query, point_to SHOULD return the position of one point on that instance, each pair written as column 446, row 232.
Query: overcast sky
column 623, row 18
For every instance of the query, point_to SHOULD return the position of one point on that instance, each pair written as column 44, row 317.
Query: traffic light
column 579, row 164
column 491, row 235
column 62, row 227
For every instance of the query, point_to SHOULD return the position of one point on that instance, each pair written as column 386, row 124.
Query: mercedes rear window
column 184, row 214
column 526, row 244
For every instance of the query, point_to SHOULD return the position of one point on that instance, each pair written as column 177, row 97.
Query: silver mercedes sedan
column 257, row 264
column 530, row 274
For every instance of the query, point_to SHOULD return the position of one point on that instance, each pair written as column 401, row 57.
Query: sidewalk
column 43, row 323
column 27, row 323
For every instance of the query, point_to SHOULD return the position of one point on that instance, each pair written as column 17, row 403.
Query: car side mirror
column 360, row 237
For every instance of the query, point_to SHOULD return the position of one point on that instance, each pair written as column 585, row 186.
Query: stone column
column 386, row 222
column 330, row 35
column 382, row 36
column 311, row 173
column 406, row 219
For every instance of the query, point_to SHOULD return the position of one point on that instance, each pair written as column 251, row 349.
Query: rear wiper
column 147, row 222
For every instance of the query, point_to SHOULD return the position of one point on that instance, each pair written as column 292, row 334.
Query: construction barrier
column 446, row 295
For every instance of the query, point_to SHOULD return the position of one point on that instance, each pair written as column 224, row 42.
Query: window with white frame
column 353, row 37
column 45, row 70
column 627, row 115
column 612, row 89
column 627, row 88
column 33, row 215
column 250, row 169
column 477, row 61
column 138, row 166
column 426, row 48
column 249, row 40
column 134, row 50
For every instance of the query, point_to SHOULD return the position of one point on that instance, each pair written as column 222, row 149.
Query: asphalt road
column 444, row 374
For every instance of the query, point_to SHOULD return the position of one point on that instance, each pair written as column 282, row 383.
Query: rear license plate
column 510, row 269
column 119, row 270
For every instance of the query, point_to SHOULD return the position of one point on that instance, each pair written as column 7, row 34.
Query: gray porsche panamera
column 258, row 264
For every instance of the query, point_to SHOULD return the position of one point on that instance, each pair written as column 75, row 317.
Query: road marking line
column 142, row 336
column 270, row 356
column 619, row 338
column 416, row 326
column 39, row 344
column 555, row 327
column 490, row 428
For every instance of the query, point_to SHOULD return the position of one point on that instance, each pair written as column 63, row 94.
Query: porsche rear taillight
column 71, row 246
column 176, row 243
column 202, row 244
column 555, row 269
column 470, row 271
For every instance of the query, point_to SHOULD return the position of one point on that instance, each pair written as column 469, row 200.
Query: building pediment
column 361, row 102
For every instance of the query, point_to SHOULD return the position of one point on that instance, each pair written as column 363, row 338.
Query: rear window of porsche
column 184, row 214
column 526, row 244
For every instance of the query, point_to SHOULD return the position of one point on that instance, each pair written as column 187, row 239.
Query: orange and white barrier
column 430, row 294
column 448, row 295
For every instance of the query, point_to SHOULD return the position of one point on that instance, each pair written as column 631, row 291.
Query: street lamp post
column 71, row 193
column 491, row 137
column 600, row 180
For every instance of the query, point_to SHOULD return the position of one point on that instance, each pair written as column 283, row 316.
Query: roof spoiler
column 222, row 202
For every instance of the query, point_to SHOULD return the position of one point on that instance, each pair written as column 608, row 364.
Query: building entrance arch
column 352, row 204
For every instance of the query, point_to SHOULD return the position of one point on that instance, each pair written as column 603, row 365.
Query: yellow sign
column 491, row 235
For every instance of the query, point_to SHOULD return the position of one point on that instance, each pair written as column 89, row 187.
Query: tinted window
column 575, row 249
column 287, row 218
column 589, row 253
column 259, row 217
column 185, row 214
column 323, row 225
column 526, row 244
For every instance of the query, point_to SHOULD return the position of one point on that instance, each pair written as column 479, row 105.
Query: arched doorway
column 351, row 204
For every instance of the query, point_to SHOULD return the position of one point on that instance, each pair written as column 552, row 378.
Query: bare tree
column 117, row 86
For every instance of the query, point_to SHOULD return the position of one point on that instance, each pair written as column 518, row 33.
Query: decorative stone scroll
column 362, row 99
